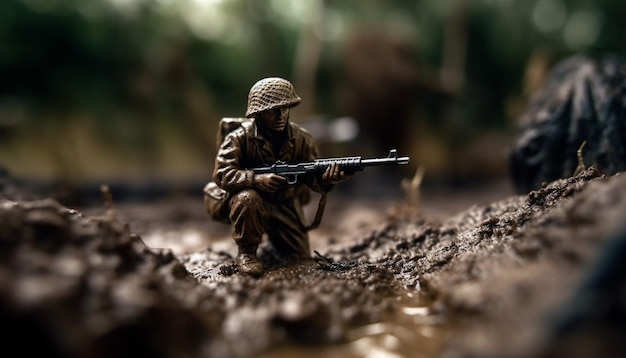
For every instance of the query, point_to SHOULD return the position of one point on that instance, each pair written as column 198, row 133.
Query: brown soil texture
column 535, row 275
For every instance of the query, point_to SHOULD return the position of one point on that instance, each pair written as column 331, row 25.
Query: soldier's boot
column 248, row 263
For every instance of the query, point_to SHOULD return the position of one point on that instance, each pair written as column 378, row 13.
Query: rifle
column 349, row 165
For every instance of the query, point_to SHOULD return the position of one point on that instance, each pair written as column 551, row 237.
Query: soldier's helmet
column 270, row 93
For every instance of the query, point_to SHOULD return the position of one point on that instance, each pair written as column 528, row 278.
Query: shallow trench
column 494, row 280
column 375, row 319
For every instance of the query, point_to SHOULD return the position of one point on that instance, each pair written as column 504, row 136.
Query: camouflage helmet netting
column 270, row 93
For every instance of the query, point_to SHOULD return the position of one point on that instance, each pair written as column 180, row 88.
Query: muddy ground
column 475, row 273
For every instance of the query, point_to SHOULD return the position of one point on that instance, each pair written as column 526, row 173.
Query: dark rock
column 583, row 100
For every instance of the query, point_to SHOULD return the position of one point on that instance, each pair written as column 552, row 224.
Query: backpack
column 227, row 125
column 215, row 198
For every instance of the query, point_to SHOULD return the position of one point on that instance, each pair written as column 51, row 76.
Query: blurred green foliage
column 141, row 70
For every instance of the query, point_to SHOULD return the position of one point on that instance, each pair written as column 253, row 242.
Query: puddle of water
column 413, row 331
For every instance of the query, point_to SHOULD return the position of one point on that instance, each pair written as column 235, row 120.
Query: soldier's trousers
column 252, row 215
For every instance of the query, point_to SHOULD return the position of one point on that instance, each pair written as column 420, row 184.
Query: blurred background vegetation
column 131, row 90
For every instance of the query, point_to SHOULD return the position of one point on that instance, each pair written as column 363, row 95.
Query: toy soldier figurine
column 267, row 203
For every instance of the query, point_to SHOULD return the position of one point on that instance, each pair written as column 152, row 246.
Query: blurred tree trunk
column 455, row 48
column 306, row 64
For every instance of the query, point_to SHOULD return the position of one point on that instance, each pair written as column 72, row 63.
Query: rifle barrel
column 385, row 161
column 392, row 158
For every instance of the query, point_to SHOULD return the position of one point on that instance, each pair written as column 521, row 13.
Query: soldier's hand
column 268, row 182
column 333, row 175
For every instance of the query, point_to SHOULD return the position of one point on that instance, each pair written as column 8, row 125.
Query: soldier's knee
column 245, row 200
column 247, row 197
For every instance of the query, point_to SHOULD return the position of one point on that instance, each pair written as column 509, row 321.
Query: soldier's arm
column 229, row 173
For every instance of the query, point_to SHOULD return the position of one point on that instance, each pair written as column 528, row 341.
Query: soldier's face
column 275, row 119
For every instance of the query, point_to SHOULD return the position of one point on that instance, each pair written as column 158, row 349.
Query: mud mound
column 498, row 280
column 503, row 272
column 86, row 287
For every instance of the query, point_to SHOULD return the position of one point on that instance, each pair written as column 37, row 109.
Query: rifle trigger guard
column 292, row 179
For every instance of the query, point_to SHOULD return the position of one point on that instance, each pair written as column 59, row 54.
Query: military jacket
column 246, row 148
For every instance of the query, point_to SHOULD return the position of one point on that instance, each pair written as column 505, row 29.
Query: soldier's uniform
column 254, row 212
